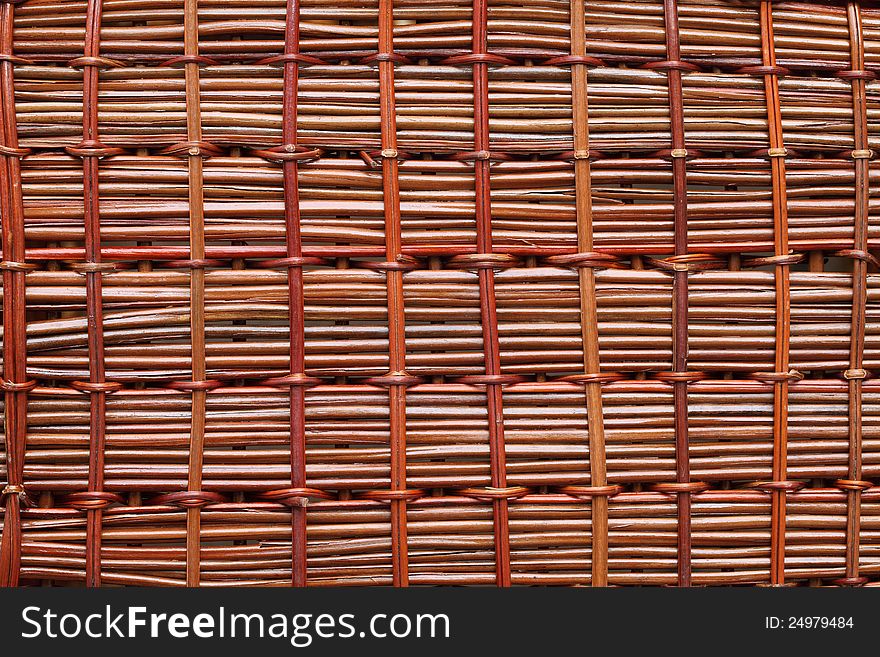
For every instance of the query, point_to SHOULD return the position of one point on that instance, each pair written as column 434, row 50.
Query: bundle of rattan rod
column 364, row 292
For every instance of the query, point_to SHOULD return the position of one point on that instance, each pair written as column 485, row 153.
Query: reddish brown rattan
column 454, row 292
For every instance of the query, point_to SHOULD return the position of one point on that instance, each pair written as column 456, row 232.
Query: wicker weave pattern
column 460, row 292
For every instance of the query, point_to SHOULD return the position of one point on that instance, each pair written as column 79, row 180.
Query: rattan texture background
column 440, row 292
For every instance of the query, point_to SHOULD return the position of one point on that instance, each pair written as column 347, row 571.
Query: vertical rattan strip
column 397, row 378
column 91, row 150
column 855, row 374
column 296, row 300
column 586, row 261
column 199, row 386
column 289, row 154
column 679, row 376
column 485, row 261
column 14, row 382
column 782, row 260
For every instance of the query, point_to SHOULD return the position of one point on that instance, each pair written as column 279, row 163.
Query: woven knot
column 677, row 154
column 671, row 65
column 574, row 60
column 91, row 500
column 495, row 261
column 853, row 484
column 493, row 493
column 194, row 386
column 292, row 497
column 183, row 60
column 289, row 153
column 194, row 148
column 94, row 62
column 862, row 154
column 96, row 387
column 293, row 262
column 377, row 57
column 680, row 377
column 855, row 374
column 402, row 263
column 14, row 151
column 293, row 380
column 691, row 262
column 590, row 155
column 609, row 490
column 11, row 265
column 851, row 581
column 478, row 58
column 774, row 486
column 490, row 379
column 394, row 379
column 12, row 489
column 16, row 492
column 196, row 263
column 296, row 58
column 776, row 377
column 392, row 495
column 680, row 487
column 92, row 148
column 373, row 159
column 481, row 156
column 594, row 377
column 189, row 499
column 777, row 260
column 764, row 70
column 94, row 267
column 17, row 386
column 585, row 259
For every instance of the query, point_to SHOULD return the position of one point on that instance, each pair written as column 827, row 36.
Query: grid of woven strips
column 452, row 292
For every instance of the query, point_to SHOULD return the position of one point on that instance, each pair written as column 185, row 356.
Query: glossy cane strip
column 680, row 284
column 855, row 374
column 783, row 298
column 14, row 305
column 194, row 154
column 587, row 283
column 397, row 377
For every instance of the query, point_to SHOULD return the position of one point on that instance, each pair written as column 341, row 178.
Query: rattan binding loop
column 188, row 499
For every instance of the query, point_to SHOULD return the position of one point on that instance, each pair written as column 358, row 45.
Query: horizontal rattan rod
column 718, row 385
column 280, row 579
column 468, row 560
column 574, row 556
column 552, row 12
column 607, row 168
column 150, row 226
column 163, row 477
column 133, row 369
column 161, row 254
column 748, row 526
column 809, row 349
column 156, row 558
column 628, row 41
column 726, row 501
column 746, row 529
column 47, row 447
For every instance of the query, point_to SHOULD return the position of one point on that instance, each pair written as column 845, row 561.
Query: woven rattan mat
column 439, row 292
